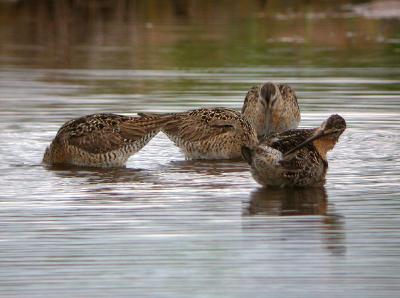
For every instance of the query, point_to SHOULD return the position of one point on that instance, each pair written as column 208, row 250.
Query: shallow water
column 166, row 227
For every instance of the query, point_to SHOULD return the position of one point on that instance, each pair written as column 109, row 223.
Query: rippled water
column 167, row 227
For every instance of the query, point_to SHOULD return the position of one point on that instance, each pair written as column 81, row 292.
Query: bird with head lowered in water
column 296, row 157
column 219, row 133
column 102, row 140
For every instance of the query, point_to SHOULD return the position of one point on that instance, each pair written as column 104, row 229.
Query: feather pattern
column 216, row 133
column 102, row 139
column 302, row 168
column 284, row 141
column 271, row 108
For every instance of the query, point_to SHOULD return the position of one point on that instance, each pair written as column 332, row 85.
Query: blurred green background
column 155, row 34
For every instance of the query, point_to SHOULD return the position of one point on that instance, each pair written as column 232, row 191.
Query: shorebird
column 271, row 108
column 296, row 157
column 219, row 133
column 102, row 140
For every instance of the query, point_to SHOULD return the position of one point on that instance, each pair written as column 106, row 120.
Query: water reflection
column 132, row 34
column 285, row 202
column 102, row 175
column 207, row 167
column 267, row 203
column 141, row 230
column 334, row 233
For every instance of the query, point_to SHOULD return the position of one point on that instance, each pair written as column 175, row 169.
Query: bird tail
column 137, row 127
column 46, row 156
column 151, row 114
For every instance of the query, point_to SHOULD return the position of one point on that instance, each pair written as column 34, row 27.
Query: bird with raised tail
column 102, row 140
column 219, row 133
column 295, row 158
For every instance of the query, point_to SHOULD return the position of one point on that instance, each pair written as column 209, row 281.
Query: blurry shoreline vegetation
column 128, row 34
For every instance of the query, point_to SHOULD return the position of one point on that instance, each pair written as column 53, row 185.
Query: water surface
column 167, row 227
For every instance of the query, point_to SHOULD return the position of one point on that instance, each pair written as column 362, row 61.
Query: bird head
column 325, row 137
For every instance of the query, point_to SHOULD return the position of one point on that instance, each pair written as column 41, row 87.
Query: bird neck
column 323, row 145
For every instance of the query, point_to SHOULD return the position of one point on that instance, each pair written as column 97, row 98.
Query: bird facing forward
column 219, row 133
column 271, row 108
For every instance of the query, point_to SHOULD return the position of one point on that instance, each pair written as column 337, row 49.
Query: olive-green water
column 167, row 227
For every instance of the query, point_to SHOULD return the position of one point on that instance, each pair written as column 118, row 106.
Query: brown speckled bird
column 216, row 133
column 219, row 133
column 271, row 108
column 295, row 157
column 102, row 140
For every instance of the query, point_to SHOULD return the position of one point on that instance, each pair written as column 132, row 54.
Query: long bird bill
column 319, row 134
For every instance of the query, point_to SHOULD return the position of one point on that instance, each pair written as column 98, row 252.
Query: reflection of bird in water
column 288, row 201
column 335, row 233
column 102, row 140
column 219, row 133
column 206, row 167
column 90, row 175
column 295, row 157
column 102, row 185
column 297, row 202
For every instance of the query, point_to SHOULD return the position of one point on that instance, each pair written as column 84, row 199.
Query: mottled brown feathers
column 271, row 108
column 217, row 133
column 284, row 141
column 203, row 123
column 295, row 157
column 102, row 139
column 289, row 95
column 101, row 133
column 210, row 133
column 251, row 95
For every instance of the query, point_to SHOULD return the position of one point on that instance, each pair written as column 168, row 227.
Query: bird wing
column 291, row 102
column 296, row 161
column 288, row 139
column 201, row 124
column 303, row 166
column 102, row 133
column 251, row 94
column 287, row 92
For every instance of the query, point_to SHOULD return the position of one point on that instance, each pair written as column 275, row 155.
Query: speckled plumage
column 216, row 133
column 279, row 110
column 219, row 133
column 102, row 140
column 273, row 165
